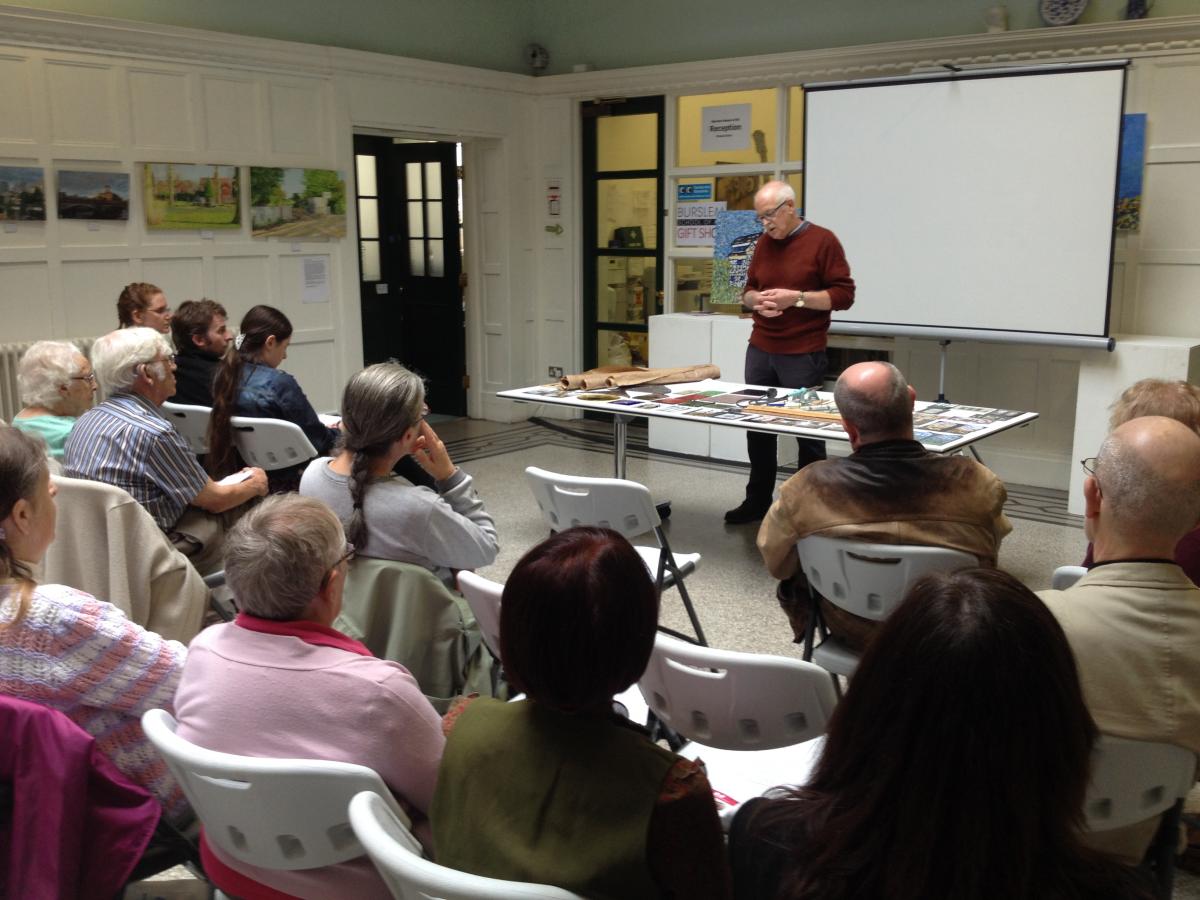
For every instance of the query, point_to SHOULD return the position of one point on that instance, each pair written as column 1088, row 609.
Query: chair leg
column 1160, row 858
column 666, row 560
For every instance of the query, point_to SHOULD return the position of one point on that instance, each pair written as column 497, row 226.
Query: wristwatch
column 800, row 302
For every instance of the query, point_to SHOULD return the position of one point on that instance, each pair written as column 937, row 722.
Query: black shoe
column 749, row 511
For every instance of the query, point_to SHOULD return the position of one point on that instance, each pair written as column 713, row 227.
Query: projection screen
column 976, row 204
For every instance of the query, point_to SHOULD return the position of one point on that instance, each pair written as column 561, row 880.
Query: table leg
column 620, row 433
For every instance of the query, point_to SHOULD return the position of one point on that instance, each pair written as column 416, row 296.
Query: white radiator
column 10, row 356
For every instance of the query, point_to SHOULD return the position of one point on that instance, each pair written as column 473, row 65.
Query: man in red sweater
column 798, row 274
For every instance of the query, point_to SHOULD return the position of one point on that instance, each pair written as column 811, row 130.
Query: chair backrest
column 191, row 422
column 736, row 701
column 870, row 580
column 410, row 877
column 109, row 546
column 273, row 813
column 1135, row 780
column 483, row 597
column 403, row 612
column 1065, row 576
column 570, row 500
column 271, row 444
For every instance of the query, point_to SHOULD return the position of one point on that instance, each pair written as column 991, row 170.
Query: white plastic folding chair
column 483, row 596
column 273, row 813
column 271, row 444
column 756, row 721
column 868, row 580
column 733, row 700
column 191, row 422
column 1065, row 576
column 1136, row 780
column 626, row 507
column 408, row 876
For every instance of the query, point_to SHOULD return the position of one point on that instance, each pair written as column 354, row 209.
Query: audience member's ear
column 912, row 396
column 1092, row 498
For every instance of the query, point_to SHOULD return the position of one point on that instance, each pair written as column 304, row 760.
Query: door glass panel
column 434, row 211
column 737, row 191
column 416, row 257
column 796, row 180
column 364, row 165
column 416, row 226
column 437, row 262
column 627, row 212
column 412, row 178
column 370, row 261
column 625, row 283
column 627, row 142
column 621, row 348
column 693, row 284
column 795, row 147
column 757, row 146
column 368, row 218
column 433, row 181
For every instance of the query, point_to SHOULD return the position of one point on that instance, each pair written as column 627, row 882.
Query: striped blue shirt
column 125, row 441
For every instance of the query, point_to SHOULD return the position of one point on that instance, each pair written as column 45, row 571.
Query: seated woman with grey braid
column 387, row 516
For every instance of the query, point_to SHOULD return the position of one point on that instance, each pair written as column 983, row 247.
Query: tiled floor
column 733, row 594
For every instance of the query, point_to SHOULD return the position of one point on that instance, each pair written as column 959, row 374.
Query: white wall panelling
column 112, row 94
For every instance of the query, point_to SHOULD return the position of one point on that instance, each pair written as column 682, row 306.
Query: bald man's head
column 1148, row 472
column 876, row 401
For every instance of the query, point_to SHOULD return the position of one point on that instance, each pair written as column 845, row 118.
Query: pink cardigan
column 257, row 694
column 80, row 655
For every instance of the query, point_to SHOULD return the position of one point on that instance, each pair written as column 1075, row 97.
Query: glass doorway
column 408, row 201
column 622, row 221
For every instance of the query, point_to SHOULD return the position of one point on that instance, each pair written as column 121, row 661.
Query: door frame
column 472, row 257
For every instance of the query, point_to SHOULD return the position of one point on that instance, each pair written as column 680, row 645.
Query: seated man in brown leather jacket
column 890, row 490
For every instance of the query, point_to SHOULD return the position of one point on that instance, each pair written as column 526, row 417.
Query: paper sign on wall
column 725, row 127
column 695, row 222
column 316, row 279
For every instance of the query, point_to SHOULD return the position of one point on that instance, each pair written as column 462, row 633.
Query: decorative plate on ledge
column 1061, row 12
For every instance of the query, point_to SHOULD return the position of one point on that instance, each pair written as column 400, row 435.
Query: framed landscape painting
column 181, row 197
column 93, row 195
column 297, row 203
column 22, row 194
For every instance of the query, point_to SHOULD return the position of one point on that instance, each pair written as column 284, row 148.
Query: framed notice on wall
column 725, row 127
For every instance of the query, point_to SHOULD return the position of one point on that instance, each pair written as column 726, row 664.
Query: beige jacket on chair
column 107, row 545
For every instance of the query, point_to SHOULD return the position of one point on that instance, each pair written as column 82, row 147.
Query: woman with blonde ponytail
column 387, row 516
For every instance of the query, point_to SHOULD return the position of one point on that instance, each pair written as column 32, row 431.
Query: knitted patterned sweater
column 80, row 655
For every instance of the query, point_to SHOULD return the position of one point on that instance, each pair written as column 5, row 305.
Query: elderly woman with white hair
column 57, row 386
column 279, row 681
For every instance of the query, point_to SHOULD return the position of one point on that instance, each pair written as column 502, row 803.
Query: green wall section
column 610, row 34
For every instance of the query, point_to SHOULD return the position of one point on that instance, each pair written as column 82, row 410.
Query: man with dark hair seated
column 891, row 490
column 201, row 335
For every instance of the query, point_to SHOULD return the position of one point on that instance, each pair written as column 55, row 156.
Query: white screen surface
column 972, row 202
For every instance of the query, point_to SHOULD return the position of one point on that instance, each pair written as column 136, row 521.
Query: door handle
column 554, row 229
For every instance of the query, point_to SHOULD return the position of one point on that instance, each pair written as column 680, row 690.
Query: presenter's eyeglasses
column 767, row 217
column 1089, row 465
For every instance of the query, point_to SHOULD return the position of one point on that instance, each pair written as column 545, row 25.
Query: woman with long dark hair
column 249, row 382
column 955, row 767
column 558, row 788
column 441, row 525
